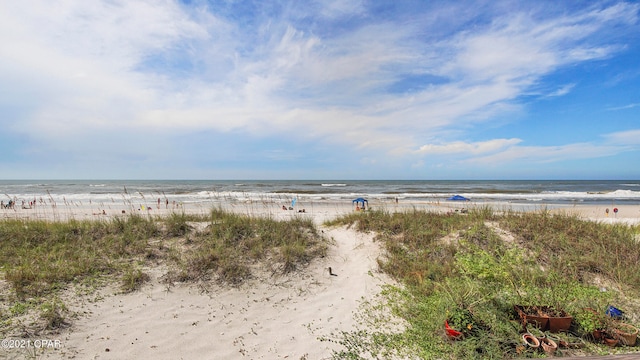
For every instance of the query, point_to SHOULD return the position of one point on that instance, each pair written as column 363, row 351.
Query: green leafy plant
column 461, row 319
column 588, row 320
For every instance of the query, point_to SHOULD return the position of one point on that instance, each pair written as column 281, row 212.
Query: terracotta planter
column 557, row 324
column 627, row 334
column 532, row 315
column 530, row 340
column 539, row 317
column 611, row 342
column 549, row 346
column 597, row 334
column 558, row 340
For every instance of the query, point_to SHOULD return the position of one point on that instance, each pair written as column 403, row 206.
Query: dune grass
column 40, row 259
column 232, row 244
column 482, row 264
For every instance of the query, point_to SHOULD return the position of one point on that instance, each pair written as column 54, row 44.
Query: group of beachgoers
column 142, row 207
column 284, row 207
column 11, row 204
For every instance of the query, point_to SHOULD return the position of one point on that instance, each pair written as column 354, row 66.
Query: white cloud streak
column 624, row 107
column 546, row 154
column 621, row 138
column 477, row 148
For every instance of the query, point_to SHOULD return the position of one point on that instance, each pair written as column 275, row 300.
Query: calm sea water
column 527, row 192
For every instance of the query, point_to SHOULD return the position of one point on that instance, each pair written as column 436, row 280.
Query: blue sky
column 346, row 89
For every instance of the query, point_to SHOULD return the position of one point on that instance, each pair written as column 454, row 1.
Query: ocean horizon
column 202, row 191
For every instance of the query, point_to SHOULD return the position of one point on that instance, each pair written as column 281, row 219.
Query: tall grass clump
column 133, row 279
column 177, row 224
column 462, row 266
column 39, row 256
column 234, row 243
column 575, row 248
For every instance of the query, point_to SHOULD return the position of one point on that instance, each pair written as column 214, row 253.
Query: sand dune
column 266, row 318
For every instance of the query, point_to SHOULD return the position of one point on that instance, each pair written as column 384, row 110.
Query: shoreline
column 319, row 211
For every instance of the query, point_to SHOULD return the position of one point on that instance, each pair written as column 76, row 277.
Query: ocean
column 202, row 191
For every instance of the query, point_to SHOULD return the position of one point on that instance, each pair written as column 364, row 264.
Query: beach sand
column 265, row 318
column 319, row 211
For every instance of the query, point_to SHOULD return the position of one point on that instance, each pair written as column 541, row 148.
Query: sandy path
column 268, row 318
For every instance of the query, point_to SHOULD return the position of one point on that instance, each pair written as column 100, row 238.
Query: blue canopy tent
column 359, row 201
column 458, row 198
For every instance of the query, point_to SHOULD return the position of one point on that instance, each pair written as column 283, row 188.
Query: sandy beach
column 319, row 211
column 265, row 318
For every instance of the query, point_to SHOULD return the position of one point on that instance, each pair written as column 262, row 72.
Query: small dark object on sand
column 331, row 272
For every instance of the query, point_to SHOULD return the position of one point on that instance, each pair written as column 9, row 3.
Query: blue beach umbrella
column 458, row 198
column 360, row 201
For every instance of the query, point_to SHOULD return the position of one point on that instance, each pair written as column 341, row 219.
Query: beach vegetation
column 471, row 269
column 231, row 244
column 133, row 279
column 53, row 314
column 39, row 260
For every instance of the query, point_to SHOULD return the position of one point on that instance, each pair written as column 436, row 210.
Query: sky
column 333, row 89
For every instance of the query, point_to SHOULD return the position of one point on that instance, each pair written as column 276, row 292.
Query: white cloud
column 624, row 107
column 105, row 42
column 520, row 49
column 546, row 154
column 621, row 138
column 564, row 90
column 337, row 8
column 509, row 151
column 476, row 148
